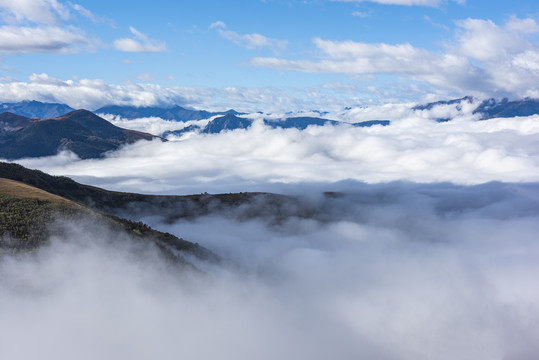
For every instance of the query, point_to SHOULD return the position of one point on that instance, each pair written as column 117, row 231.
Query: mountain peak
column 80, row 131
column 79, row 113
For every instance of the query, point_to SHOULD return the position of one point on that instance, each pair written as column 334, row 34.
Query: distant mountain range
column 36, row 109
column 491, row 108
column 34, row 129
column 176, row 113
column 79, row 131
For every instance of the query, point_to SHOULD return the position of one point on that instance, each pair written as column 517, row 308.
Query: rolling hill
column 29, row 217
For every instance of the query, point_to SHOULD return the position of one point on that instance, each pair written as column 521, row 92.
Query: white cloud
column 528, row 60
column 152, row 125
column 433, row 3
column 349, row 57
column 485, row 59
column 34, row 11
column 90, row 15
column 393, row 272
column 250, row 41
column 140, row 43
column 93, row 93
column 412, row 148
column 43, row 39
column 484, row 40
column 361, row 14
column 38, row 26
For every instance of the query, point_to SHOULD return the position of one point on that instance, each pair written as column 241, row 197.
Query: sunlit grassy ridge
column 28, row 216
column 18, row 189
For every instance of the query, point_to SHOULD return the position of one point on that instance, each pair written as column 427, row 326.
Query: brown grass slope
column 28, row 215
column 136, row 206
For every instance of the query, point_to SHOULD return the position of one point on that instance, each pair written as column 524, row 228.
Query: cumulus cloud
column 485, row 59
column 36, row 26
column 90, row 15
column 394, row 271
column 250, row 41
column 95, row 93
column 139, row 43
column 153, row 125
column 48, row 39
column 35, row 11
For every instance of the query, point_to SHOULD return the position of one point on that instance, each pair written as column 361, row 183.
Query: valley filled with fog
column 413, row 148
column 416, row 240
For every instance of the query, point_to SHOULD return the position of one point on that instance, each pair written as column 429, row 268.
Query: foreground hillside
column 136, row 206
column 29, row 216
column 80, row 131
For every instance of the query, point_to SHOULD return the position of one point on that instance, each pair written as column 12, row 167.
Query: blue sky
column 265, row 55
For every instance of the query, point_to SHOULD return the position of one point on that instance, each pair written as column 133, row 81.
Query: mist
column 388, row 271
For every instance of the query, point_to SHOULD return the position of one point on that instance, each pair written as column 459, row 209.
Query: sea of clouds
column 413, row 148
column 390, row 271
column 425, row 249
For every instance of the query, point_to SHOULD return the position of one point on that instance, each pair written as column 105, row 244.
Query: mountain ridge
column 174, row 113
column 490, row 108
column 29, row 216
column 36, row 109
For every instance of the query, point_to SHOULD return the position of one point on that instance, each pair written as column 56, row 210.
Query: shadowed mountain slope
column 11, row 122
column 170, row 207
column 79, row 131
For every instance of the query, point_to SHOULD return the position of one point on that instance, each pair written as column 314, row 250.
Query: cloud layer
column 139, row 43
column 393, row 271
column 37, row 26
column 94, row 93
column 484, row 59
column 413, row 148
column 250, row 41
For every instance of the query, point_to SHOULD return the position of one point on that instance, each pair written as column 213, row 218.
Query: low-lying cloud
column 413, row 148
column 390, row 271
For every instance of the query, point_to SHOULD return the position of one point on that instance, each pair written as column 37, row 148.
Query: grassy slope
column 26, row 215
column 21, row 190
column 114, row 203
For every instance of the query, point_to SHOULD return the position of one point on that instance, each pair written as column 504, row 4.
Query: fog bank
column 390, row 271
column 415, row 149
